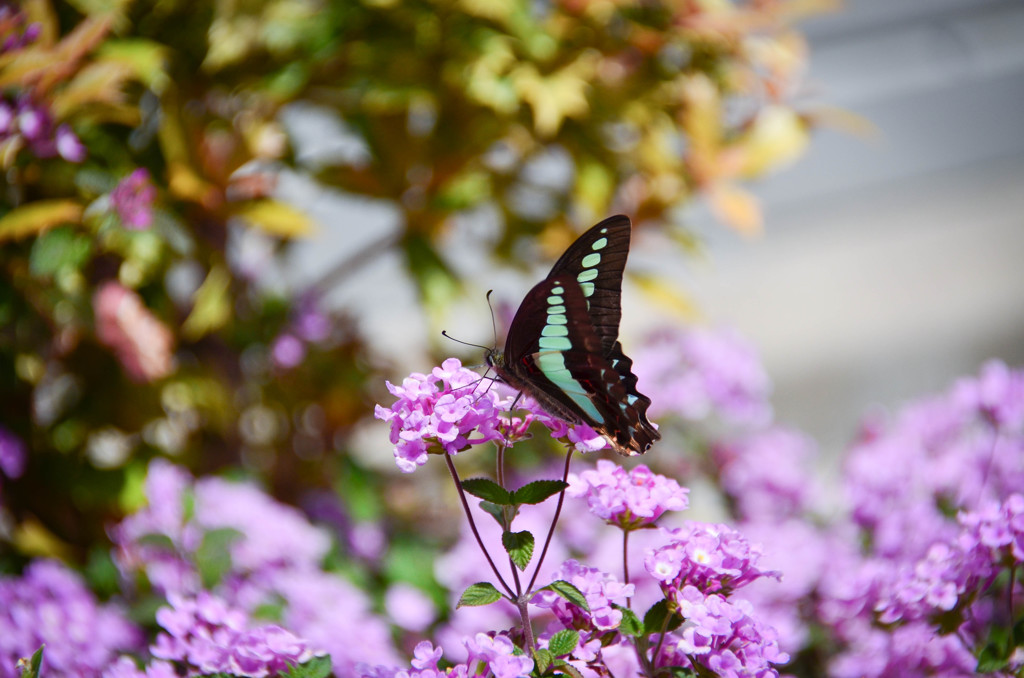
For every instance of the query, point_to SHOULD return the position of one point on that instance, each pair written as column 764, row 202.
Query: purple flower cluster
column 698, row 374
column 132, row 200
column 765, row 473
column 713, row 558
column 207, row 635
column 276, row 557
column 721, row 635
column 627, row 499
column 911, row 649
column 699, row 569
column 492, row 656
column 956, row 450
column 438, row 413
column 450, row 409
column 935, row 497
column 599, row 588
column 25, row 123
column 51, row 605
column 271, row 536
column 947, row 573
column 996, row 532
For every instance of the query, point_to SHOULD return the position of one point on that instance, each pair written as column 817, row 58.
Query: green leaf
column 39, row 216
column 161, row 541
column 519, row 546
column 58, row 250
column 991, row 659
column 542, row 660
column 631, row 624
column 498, row 512
column 481, row 593
column 654, row 619
column 214, row 555
column 566, row 669
column 569, row 592
column 317, row 667
column 537, row 491
column 488, row 490
column 564, row 642
column 29, row 667
column 464, row 190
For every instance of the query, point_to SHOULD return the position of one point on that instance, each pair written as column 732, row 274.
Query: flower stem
column 661, row 639
column 472, row 525
column 524, row 615
column 554, row 521
column 625, row 565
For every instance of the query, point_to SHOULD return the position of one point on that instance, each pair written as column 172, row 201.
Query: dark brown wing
column 596, row 260
column 553, row 353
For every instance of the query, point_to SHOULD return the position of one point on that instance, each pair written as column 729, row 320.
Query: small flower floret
column 439, row 412
column 628, row 499
column 713, row 558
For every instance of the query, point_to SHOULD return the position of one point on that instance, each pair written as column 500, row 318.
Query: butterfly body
column 562, row 347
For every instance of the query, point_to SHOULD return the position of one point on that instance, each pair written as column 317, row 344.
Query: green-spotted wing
column 563, row 348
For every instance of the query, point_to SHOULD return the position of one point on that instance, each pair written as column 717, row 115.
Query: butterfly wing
column 554, row 353
column 596, row 261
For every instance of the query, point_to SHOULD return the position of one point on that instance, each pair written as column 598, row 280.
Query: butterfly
column 563, row 345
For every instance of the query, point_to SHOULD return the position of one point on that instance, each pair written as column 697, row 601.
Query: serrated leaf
column 212, row 306
column 542, row 660
column 488, row 490
column 564, row 642
column 39, row 216
column 29, row 667
column 569, row 592
column 537, row 491
column 519, row 546
column 275, row 217
column 564, row 668
column 481, row 593
column 630, row 624
column 317, row 667
column 213, row 556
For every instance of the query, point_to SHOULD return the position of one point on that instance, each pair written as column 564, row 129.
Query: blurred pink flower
column 133, row 200
column 142, row 343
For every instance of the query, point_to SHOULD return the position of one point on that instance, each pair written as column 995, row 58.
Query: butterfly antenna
column 494, row 326
column 445, row 334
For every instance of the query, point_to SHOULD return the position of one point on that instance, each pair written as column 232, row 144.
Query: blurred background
column 894, row 262
column 892, row 255
column 225, row 226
